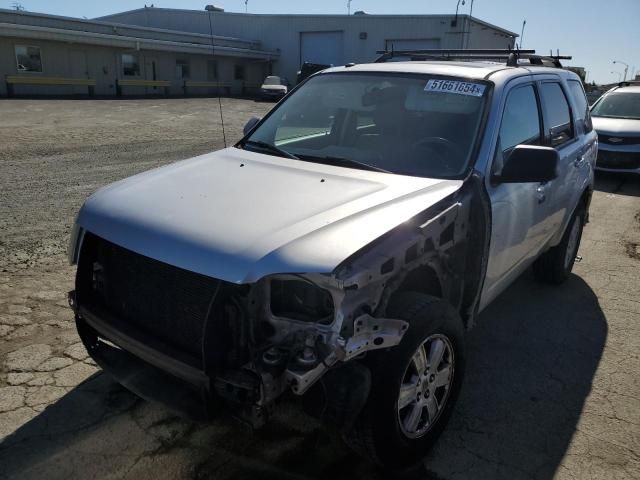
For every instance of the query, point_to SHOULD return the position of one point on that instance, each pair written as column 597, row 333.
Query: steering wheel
column 447, row 153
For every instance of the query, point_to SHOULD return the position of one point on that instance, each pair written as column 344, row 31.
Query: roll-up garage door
column 326, row 48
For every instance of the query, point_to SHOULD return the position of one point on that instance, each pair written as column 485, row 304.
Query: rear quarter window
column 557, row 114
column 582, row 114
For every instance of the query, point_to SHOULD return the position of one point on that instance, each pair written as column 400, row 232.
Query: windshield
column 405, row 124
column 618, row 105
column 272, row 81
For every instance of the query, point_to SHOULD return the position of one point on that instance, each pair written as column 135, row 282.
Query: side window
column 28, row 59
column 520, row 120
column 182, row 69
column 557, row 121
column 238, row 72
column 130, row 65
column 583, row 106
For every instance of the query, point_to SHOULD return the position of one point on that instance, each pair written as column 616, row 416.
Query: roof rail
column 629, row 83
column 512, row 58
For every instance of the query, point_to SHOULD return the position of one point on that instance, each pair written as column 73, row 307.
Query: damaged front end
column 197, row 344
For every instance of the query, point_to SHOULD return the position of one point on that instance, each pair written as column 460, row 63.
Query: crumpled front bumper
column 152, row 374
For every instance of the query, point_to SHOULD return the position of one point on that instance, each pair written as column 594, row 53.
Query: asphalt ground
column 553, row 381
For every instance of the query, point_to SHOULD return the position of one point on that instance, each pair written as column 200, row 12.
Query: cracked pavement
column 553, row 381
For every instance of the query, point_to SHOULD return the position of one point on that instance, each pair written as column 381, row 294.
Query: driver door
column 519, row 212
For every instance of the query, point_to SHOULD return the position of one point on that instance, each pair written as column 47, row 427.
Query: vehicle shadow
column 531, row 361
column 618, row 183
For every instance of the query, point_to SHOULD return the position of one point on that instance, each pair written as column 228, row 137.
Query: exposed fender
column 449, row 240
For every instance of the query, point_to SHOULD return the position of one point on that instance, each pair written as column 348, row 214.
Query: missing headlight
column 301, row 300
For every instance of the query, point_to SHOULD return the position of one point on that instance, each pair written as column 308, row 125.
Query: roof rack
column 511, row 57
column 629, row 83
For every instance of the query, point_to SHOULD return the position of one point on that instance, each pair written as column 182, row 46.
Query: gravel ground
column 553, row 382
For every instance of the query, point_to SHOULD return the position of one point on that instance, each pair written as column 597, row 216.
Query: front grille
column 616, row 140
column 621, row 160
column 158, row 300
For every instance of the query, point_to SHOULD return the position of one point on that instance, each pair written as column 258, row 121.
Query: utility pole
column 349, row 7
column 524, row 22
column 246, row 6
column 626, row 69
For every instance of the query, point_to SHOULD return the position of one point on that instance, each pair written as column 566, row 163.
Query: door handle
column 578, row 161
column 541, row 194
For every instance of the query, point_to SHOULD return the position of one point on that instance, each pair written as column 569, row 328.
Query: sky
column 595, row 32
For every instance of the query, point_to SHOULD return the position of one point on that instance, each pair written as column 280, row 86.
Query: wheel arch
column 584, row 201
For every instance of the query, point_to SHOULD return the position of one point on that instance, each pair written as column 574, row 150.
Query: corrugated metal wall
column 363, row 34
column 103, row 64
column 80, row 49
column 331, row 38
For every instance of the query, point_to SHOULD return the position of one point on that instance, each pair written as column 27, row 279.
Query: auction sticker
column 455, row 86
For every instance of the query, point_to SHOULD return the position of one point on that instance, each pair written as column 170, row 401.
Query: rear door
column 151, row 73
column 560, row 132
column 78, row 69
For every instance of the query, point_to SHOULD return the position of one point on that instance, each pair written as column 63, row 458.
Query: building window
column 212, row 70
column 130, row 65
column 28, row 58
column 239, row 72
column 182, row 69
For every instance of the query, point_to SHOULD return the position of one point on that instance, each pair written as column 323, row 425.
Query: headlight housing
column 301, row 299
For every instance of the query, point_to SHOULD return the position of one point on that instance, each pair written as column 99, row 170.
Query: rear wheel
column 414, row 385
column 555, row 265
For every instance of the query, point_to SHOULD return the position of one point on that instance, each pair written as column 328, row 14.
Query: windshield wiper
column 344, row 162
column 271, row 148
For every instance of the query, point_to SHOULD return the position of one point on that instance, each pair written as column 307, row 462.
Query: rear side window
column 520, row 120
column 581, row 101
column 559, row 129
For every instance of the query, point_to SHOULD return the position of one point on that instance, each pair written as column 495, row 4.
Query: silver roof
column 628, row 89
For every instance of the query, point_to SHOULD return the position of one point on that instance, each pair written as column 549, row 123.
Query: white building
column 169, row 51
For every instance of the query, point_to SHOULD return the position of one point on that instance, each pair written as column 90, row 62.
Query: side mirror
column 253, row 121
column 529, row 164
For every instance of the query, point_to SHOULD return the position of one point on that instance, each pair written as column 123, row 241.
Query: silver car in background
column 616, row 118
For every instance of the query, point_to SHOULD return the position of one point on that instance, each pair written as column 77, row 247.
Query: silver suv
column 339, row 252
column 616, row 118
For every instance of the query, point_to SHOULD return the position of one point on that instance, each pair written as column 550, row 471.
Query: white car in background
column 616, row 118
column 274, row 87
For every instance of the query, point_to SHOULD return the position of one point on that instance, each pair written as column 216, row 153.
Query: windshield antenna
column 209, row 9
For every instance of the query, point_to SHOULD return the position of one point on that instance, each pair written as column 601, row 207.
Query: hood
column 238, row 215
column 617, row 126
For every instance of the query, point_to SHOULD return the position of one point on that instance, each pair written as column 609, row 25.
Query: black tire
column 552, row 266
column 377, row 433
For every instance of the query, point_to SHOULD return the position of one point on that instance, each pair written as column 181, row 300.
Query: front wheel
column 555, row 265
column 414, row 385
